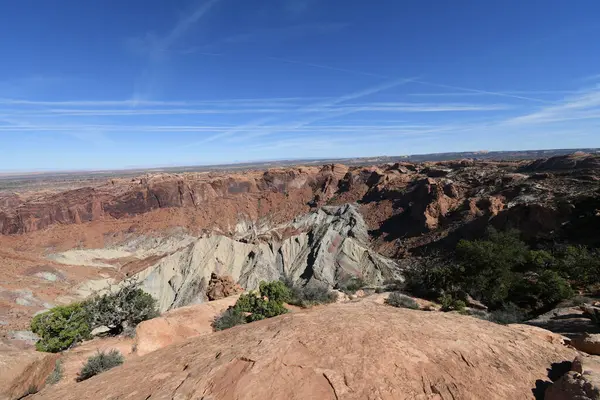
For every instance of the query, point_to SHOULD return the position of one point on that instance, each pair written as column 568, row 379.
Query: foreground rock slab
column 357, row 350
column 179, row 324
column 582, row 382
column 23, row 371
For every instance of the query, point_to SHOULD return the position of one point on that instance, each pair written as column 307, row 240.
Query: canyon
column 329, row 225
column 326, row 223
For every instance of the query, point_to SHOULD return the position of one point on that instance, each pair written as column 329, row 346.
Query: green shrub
column 397, row 299
column 56, row 374
column 229, row 318
column 489, row 265
column 430, row 277
column 579, row 264
column 247, row 302
column 61, row 327
column 275, row 291
column 99, row 363
column 266, row 309
column 267, row 303
column 449, row 303
column 126, row 307
column 311, row 294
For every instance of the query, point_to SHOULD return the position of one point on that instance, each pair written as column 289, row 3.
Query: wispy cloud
column 316, row 107
column 328, row 67
column 590, row 78
column 418, row 81
column 157, row 47
column 483, row 93
column 487, row 92
column 264, row 36
column 581, row 107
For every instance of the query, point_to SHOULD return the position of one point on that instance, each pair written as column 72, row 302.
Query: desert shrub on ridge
column 250, row 307
column 311, row 294
column 499, row 269
column 102, row 361
column 64, row 326
column 126, row 307
column 61, row 327
column 400, row 300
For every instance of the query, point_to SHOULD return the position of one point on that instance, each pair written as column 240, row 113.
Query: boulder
column 345, row 351
column 100, row 331
column 476, row 304
column 178, row 325
column 221, row 287
column 23, row 371
column 575, row 386
column 588, row 343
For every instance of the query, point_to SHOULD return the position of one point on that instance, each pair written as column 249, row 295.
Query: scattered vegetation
column 397, row 299
column 311, row 294
column 56, row 374
column 61, row 327
column 449, row 303
column 229, row 318
column 508, row 314
column 250, row 307
column 126, row 307
column 505, row 274
column 102, row 361
column 275, row 291
column 32, row 389
column 352, row 285
column 64, row 326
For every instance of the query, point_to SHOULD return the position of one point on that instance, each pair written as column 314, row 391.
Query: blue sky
column 114, row 84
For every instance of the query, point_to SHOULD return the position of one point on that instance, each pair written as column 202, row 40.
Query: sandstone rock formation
column 588, row 343
column 23, row 371
column 358, row 350
column 221, row 287
column 574, row 386
column 330, row 245
column 242, row 224
column 179, row 324
column 582, row 382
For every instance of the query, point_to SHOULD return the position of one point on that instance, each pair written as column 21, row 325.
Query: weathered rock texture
column 221, row 287
column 582, row 382
column 179, row 324
column 574, row 386
column 330, row 246
column 22, row 371
column 401, row 201
column 359, row 350
column 588, row 343
column 406, row 208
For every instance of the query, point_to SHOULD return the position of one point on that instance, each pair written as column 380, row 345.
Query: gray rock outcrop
column 331, row 247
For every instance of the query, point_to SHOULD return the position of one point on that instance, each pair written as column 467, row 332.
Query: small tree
column 126, row 307
column 100, row 362
column 275, row 291
column 61, row 327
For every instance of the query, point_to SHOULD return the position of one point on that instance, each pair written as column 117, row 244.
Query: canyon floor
column 327, row 224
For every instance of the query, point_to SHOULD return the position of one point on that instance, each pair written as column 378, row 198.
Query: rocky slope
column 359, row 350
column 174, row 230
column 330, row 246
